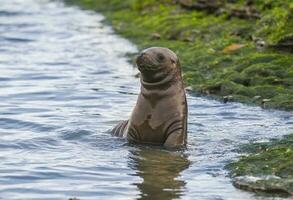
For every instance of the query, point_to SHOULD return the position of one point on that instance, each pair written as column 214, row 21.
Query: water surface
column 65, row 80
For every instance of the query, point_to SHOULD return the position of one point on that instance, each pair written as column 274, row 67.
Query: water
column 65, row 80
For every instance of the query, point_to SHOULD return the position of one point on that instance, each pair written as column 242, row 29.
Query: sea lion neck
column 164, row 83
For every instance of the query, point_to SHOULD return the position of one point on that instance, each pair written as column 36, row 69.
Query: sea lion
column 160, row 114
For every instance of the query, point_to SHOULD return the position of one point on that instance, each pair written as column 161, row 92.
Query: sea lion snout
column 155, row 58
column 145, row 62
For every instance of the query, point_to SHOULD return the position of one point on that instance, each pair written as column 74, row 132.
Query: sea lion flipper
column 175, row 137
column 119, row 129
column 175, row 140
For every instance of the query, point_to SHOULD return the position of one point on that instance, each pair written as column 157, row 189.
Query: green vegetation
column 239, row 48
column 236, row 48
column 266, row 168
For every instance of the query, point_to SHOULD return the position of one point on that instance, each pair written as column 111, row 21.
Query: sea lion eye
column 160, row 57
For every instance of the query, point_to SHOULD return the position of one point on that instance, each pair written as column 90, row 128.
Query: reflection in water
column 160, row 171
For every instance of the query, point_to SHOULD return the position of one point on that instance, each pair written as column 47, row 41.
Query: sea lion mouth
column 150, row 69
column 146, row 63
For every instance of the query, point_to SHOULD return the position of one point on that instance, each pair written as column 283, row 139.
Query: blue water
column 65, row 80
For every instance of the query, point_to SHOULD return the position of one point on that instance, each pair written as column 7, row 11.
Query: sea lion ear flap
column 175, row 62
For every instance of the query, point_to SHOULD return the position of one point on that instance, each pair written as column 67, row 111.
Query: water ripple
column 7, row 123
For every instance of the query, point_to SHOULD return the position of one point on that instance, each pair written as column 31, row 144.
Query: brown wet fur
column 160, row 114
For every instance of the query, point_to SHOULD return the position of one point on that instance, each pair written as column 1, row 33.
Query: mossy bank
column 267, row 167
column 237, row 49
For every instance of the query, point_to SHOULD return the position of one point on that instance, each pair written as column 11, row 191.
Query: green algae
column 266, row 167
column 201, row 40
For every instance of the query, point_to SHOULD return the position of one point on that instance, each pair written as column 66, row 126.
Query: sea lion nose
column 140, row 58
column 141, row 55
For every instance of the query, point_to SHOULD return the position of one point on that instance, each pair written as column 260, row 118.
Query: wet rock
column 260, row 44
column 227, row 98
column 256, row 98
column 155, row 36
column 268, row 184
column 264, row 102
column 188, row 88
column 267, row 168
column 190, row 38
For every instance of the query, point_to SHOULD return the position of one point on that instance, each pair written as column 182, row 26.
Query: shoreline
column 228, row 59
column 222, row 56
column 266, row 167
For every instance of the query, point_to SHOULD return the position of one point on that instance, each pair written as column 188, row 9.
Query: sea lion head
column 157, row 64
